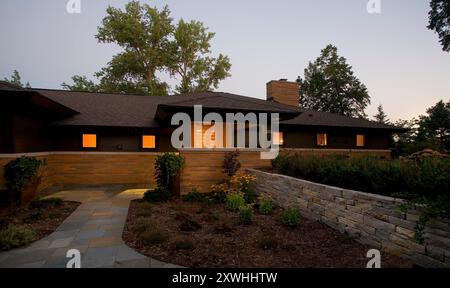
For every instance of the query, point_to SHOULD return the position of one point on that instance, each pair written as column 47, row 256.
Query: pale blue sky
column 393, row 53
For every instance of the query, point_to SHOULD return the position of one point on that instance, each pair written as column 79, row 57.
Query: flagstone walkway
column 94, row 228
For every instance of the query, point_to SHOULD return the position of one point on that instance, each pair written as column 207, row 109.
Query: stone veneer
column 371, row 219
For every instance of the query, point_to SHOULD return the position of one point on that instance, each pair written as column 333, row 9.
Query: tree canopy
column 381, row 116
column 17, row 80
column 439, row 21
column 329, row 85
column 152, row 44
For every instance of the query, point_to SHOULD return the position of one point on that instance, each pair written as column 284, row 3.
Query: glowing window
column 278, row 138
column 89, row 141
column 322, row 139
column 360, row 141
column 148, row 142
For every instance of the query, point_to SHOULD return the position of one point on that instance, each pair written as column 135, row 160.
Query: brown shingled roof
column 123, row 110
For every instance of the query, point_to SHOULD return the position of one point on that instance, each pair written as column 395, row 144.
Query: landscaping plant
column 231, row 163
column 16, row 236
column 242, row 184
column 21, row 172
column 167, row 166
column 235, row 201
column 290, row 217
column 245, row 214
column 265, row 206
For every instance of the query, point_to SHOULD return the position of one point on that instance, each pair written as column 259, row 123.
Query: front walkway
column 95, row 229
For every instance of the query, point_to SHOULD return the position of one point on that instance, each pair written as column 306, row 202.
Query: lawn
column 199, row 234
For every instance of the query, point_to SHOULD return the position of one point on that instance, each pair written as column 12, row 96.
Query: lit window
column 89, row 141
column 148, row 141
column 360, row 141
column 322, row 139
column 278, row 138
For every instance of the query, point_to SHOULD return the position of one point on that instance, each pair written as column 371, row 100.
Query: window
column 360, row 141
column 148, row 142
column 89, row 141
column 278, row 138
column 322, row 139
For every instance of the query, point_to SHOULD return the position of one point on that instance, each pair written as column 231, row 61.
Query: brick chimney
column 283, row 91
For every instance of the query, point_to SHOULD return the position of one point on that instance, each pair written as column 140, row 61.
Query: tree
column 381, row 117
column 81, row 83
column 16, row 80
column 197, row 70
column 439, row 21
column 330, row 86
column 151, row 45
column 435, row 126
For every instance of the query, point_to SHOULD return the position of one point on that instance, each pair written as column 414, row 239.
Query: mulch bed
column 220, row 240
column 42, row 221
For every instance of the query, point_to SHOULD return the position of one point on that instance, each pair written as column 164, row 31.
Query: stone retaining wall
column 371, row 219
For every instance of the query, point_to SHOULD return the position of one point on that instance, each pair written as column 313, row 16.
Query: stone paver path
column 95, row 229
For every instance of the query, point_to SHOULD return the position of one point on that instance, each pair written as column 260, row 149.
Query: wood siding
column 71, row 169
column 203, row 168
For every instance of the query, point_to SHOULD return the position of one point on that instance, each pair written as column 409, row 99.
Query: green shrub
column 193, row 196
column 16, row 236
column 245, row 214
column 235, row 201
column 46, row 202
column 218, row 193
column 183, row 245
column 167, row 166
column 265, row 206
column 290, row 217
column 157, row 195
column 20, row 172
column 242, row 183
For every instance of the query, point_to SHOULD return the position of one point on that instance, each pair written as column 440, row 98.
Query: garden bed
column 219, row 239
column 21, row 226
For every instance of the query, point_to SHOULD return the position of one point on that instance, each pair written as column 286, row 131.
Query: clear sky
column 393, row 53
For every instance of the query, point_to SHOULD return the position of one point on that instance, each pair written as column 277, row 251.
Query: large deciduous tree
column 439, row 21
column 151, row 45
column 191, row 61
column 329, row 85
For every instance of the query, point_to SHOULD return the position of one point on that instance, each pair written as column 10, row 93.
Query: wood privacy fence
column 90, row 168
column 203, row 167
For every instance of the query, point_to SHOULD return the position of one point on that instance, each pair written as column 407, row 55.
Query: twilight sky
column 393, row 53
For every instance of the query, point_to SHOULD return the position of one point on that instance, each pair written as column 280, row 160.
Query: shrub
column 190, row 225
column 265, row 206
column 290, row 217
column 157, row 195
column 141, row 225
column 167, row 166
column 245, row 214
column 20, row 172
column 150, row 237
column 231, row 163
column 16, row 236
column 193, row 196
column 183, row 245
column 235, row 201
column 46, row 202
column 218, row 193
column 242, row 183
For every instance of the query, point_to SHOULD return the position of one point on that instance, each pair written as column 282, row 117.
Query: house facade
column 119, row 127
